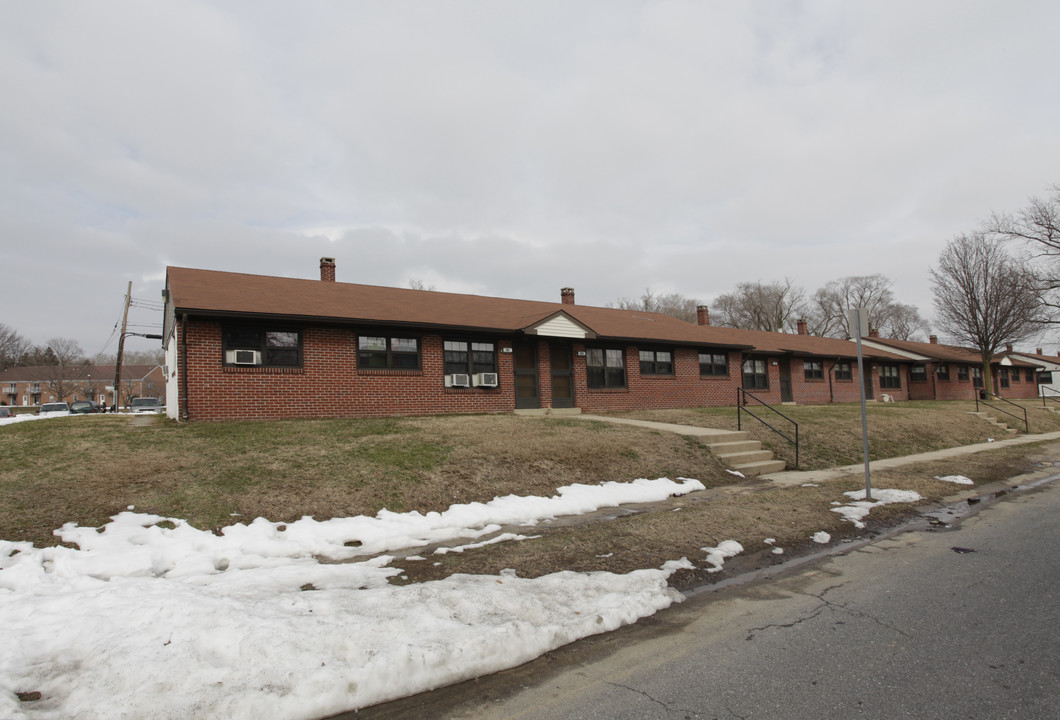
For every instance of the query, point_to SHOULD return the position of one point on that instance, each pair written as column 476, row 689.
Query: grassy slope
column 85, row 469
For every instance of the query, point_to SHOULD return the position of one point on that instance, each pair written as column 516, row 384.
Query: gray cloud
column 508, row 148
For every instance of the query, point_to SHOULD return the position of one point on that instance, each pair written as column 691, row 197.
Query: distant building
column 31, row 386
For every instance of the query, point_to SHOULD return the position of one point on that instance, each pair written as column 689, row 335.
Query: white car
column 146, row 405
column 54, row 408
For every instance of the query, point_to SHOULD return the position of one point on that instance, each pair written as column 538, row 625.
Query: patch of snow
column 856, row 511
column 265, row 625
column 716, row 556
column 822, row 537
column 737, row 473
column 957, row 479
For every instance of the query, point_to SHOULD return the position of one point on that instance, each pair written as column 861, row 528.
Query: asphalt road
column 906, row 627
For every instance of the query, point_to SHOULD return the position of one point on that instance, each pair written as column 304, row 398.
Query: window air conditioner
column 485, row 379
column 246, row 357
column 457, row 380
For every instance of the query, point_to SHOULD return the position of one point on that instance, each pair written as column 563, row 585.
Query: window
column 605, row 367
column 889, row 377
column 714, row 364
column 1015, row 375
column 814, row 369
column 269, row 347
column 656, row 362
column 755, row 376
column 962, row 373
column 977, row 376
column 465, row 356
column 943, row 372
column 918, row 373
column 1003, row 374
column 380, row 352
column 1045, row 378
column 1029, row 376
column 843, row 370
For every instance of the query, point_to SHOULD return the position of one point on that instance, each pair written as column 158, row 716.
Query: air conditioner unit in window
column 458, row 380
column 484, row 379
column 244, row 357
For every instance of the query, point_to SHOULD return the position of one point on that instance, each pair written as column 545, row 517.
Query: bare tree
column 984, row 297
column 873, row 293
column 673, row 304
column 1038, row 225
column 12, row 346
column 418, row 284
column 775, row 306
column 67, row 375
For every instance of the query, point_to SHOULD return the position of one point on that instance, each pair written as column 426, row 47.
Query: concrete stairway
column 730, row 446
column 1002, row 427
column 743, row 455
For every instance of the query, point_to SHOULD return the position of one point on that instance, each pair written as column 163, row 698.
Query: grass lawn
column 85, row 469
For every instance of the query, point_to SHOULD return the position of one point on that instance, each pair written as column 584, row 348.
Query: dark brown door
column 525, row 361
column 867, row 382
column 785, row 380
column 562, row 376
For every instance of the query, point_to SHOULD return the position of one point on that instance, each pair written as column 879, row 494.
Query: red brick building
column 32, row 386
column 948, row 372
column 256, row 347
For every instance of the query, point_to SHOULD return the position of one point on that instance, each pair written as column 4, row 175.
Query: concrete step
column 744, row 458
column 727, row 448
column 763, row 467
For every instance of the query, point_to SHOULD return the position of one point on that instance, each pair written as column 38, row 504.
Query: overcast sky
column 507, row 148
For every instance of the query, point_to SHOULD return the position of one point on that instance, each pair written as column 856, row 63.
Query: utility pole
column 121, row 345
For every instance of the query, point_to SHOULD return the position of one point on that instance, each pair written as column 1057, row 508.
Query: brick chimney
column 874, row 333
column 327, row 269
column 1037, row 351
column 702, row 315
column 566, row 296
column 933, row 339
column 1008, row 348
column 800, row 325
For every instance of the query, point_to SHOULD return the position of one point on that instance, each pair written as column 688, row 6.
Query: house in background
column 31, row 386
column 1048, row 376
column 244, row 346
column 949, row 372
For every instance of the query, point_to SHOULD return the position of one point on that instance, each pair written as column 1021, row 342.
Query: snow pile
column 260, row 627
column 855, row 511
column 822, row 537
column 956, row 479
column 716, row 556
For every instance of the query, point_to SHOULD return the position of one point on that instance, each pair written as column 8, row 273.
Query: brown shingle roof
column 211, row 292
column 944, row 353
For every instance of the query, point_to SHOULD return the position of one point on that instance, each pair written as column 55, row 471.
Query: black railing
column 1055, row 397
column 982, row 395
column 742, row 397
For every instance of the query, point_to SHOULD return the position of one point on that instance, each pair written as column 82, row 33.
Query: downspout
column 184, row 366
column 831, row 387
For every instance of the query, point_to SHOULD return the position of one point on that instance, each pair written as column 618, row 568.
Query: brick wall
column 329, row 384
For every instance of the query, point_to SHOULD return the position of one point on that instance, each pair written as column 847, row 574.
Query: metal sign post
column 858, row 319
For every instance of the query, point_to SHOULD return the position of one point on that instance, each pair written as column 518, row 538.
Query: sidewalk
column 797, row 477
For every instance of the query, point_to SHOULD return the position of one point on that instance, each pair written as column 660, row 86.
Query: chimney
column 702, row 315
column 327, row 269
column 933, row 339
column 874, row 333
column 1037, row 351
column 1008, row 348
column 567, row 296
column 801, row 327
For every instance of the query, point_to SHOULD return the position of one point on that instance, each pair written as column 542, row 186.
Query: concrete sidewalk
column 797, row 477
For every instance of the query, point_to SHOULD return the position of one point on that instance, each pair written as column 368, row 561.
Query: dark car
column 80, row 407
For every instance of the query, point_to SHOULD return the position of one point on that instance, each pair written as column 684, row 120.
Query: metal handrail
column 741, row 407
column 1026, row 425
column 1054, row 398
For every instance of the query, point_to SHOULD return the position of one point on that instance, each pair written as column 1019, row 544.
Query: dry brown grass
column 89, row 468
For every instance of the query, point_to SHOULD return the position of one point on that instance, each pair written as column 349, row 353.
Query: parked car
column 5, row 412
column 53, row 408
column 79, row 407
column 146, row 405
